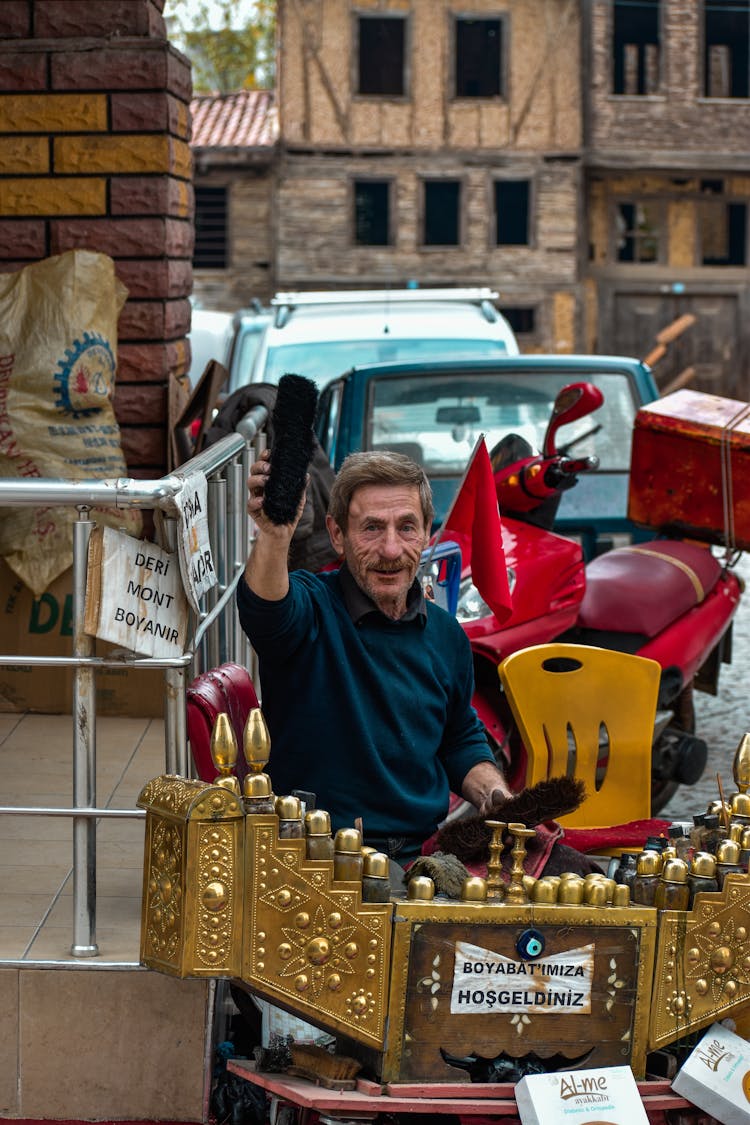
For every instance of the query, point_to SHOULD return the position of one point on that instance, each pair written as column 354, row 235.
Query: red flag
column 474, row 523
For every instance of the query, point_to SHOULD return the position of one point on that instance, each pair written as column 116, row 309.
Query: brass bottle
column 289, row 812
column 258, row 794
column 702, row 875
column 647, row 872
column 376, row 886
column 347, row 855
column 318, row 838
column 672, row 891
column 727, row 860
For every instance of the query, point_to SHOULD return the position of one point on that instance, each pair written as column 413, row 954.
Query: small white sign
column 485, row 981
column 196, row 557
column 606, row 1096
column 134, row 595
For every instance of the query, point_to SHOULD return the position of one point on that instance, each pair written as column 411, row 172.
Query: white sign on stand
column 194, row 544
column 606, row 1096
column 134, row 595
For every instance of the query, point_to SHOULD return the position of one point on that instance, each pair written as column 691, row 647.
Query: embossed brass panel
column 614, row 950
column 702, row 962
column 310, row 944
column 191, row 913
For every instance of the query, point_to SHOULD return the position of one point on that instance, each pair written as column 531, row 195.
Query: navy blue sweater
column 373, row 716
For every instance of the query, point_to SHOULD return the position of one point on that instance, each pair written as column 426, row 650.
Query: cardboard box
column 716, row 1076
column 43, row 626
column 606, row 1096
column 690, row 467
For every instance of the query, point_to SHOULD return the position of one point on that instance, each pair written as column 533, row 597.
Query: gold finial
column 224, row 753
column 256, row 741
column 516, row 892
column 495, row 882
column 741, row 765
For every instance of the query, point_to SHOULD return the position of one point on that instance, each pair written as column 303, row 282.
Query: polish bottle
column 319, row 842
column 727, row 860
column 289, row 812
column 648, row 870
column 258, row 794
column 672, row 892
column 347, row 855
column 702, row 875
column 376, row 886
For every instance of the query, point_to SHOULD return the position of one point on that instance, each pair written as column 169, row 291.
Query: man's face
column 383, row 542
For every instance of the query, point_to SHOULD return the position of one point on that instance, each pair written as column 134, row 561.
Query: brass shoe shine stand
column 561, row 966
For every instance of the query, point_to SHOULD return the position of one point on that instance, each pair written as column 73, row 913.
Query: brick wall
column 94, row 152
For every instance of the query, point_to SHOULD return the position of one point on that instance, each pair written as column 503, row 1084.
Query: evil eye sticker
column 85, row 377
column 530, row 945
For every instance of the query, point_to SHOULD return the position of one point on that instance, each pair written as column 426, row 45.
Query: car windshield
column 325, row 360
column 436, row 420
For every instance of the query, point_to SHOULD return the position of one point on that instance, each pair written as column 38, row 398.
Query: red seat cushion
column 228, row 688
column 642, row 589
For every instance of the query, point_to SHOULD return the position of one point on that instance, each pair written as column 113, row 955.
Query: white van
column 322, row 335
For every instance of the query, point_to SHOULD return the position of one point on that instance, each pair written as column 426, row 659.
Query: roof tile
column 244, row 119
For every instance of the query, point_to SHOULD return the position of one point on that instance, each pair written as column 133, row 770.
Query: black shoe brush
column 292, row 448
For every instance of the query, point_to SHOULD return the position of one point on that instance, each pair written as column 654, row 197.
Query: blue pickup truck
column 434, row 412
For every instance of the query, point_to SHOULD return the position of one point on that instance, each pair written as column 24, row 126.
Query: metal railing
column 215, row 636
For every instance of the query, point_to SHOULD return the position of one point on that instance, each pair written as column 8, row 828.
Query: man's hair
column 377, row 467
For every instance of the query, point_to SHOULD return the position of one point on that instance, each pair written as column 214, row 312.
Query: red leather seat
column 228, row 688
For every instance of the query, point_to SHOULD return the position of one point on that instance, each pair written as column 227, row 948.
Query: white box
column 605, row 1096
column 716, row 1076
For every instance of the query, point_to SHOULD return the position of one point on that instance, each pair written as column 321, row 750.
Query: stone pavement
column 721, row 720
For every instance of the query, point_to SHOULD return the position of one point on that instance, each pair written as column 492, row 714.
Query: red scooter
column 633, row 599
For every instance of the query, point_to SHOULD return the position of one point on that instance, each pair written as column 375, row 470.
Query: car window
column 325, row 360
column 437, row 419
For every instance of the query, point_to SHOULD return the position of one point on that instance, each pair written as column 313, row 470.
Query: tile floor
column 36, row 853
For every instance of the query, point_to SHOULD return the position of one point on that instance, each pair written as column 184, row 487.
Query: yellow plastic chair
column 587, row 712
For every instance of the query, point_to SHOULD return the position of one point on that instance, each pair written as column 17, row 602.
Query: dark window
column 441, row 217
column 636, row 46
column 638, row 232
column 371, row 226
column 381, row 55
column 723, row 233
column 727, row 29
column 210, row 251
column 478, row 44
column 521, row 320
column 512, row 212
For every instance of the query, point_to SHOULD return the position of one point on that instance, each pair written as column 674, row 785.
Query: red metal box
column 690, row 468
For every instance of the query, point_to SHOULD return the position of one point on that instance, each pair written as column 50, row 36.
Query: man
column 366, row 688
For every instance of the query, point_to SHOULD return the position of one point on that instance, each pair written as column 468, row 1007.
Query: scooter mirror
column 576, row 400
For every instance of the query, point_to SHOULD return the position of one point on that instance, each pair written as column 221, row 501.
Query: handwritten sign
column 134, row 595
column 485, row 981
column 194, row 544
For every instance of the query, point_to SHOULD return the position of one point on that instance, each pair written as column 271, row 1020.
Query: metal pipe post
column 175, row 706
column 84, row 755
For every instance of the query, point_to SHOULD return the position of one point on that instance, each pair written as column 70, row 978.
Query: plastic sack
column 58, row 358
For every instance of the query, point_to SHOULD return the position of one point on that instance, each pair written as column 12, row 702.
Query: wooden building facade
column 586, row 158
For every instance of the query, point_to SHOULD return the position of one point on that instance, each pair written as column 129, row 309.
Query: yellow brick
column 182, row 124
column 563, row 317
column 181, row 163
column 24, row 155
column 183, row 200
column 52, row 113
column 53, row 195
column 681, row 227
column 125, row 152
